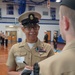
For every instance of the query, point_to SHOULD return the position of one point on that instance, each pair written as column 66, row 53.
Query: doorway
column 12, row 36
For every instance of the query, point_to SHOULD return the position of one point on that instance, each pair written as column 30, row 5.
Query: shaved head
column 65, row 11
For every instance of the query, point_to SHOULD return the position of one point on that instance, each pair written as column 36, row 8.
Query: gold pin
column 31, row 17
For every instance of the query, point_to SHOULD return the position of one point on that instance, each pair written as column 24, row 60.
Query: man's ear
column 22, row 27
column 66, row 22
column 39, row 27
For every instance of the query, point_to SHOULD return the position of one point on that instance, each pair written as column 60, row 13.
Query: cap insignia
column 31, row 17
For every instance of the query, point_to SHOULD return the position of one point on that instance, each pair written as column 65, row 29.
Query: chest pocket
column 20, row 54
column 40, row 56
column 23, row 55
column 19, row 58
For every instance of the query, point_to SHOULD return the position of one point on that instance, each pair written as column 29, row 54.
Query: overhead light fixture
column 11, row 26
column 58, row 0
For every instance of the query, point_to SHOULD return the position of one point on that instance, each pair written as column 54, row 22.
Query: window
column 31, row 8
column 45, row 13
column 10, row 9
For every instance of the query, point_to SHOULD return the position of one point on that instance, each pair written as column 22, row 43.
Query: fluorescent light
column 58, row 0
column 11, row 26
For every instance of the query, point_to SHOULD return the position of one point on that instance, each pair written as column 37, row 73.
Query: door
column 12, row 36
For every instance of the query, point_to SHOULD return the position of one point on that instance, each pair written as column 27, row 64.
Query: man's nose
column 32, row 29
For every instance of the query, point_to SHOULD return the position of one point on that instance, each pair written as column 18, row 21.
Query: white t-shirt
column 30, row 45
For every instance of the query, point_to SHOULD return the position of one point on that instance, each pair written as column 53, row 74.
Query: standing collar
column 69, row 45
column 25, row 43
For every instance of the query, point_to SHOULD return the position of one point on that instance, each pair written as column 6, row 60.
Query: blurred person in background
column 46, row 37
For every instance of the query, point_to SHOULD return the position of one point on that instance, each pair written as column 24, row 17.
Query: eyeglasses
column 32, row 27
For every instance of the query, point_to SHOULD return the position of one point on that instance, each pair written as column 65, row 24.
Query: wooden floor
column 4, row 54
column 3, row 58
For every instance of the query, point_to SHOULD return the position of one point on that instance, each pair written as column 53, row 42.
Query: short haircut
column 65, row 11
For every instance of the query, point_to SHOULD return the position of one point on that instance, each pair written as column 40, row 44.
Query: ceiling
column 28, row 1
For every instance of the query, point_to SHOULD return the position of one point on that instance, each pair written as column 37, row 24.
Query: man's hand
column 29, row 67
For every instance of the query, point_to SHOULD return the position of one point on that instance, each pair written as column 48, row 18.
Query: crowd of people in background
column 3, row 39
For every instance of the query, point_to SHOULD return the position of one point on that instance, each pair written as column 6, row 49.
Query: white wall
column 43, row 27
column 20, row 34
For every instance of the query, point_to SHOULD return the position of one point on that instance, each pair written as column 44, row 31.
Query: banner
column 53, row 13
